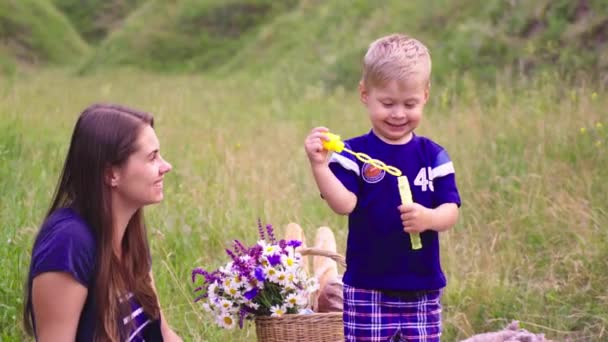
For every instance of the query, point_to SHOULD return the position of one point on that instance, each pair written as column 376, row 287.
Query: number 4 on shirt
column 424, row 179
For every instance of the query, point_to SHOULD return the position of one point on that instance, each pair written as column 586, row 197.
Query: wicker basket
column 315, row 327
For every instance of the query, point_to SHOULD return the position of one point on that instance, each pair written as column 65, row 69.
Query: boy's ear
column 111, row 176
column 363, row 93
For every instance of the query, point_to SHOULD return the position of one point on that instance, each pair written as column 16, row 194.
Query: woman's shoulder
column 68, row 224
column 65, row 244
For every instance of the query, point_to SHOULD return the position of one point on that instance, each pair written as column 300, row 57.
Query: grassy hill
column 184, row 35
column 35, row 32
column 94, row 19
column 324, row 40
column 308, row 40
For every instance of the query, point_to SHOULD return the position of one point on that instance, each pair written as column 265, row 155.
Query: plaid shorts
column 371, row 315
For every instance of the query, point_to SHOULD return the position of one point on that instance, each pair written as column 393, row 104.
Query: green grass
column 184, row 35
column 35, row 32
column 522, row 112
column 94, row 19
column 530, row 243
column 322, row 41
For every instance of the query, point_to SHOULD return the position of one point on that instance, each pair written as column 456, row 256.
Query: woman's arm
column 168, row 334
column 57, row 302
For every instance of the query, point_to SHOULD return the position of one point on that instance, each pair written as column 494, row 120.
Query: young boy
column 391, row 292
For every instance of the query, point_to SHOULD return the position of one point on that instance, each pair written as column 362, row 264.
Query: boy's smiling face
column 395, row 109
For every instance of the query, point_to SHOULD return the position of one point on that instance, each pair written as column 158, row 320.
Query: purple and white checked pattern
column 371, row 315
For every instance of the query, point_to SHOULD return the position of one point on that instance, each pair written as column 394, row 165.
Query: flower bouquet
column 266, row 279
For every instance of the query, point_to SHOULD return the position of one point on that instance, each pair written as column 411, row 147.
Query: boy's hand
column 416, row 218
column 314, row 147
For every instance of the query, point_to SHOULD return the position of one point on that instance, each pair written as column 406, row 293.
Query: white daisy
column 207, row 307
column 226, row 305
column 211, row 291
column 271, row 273
column 227, row 269
column 270, row 250
column 238, row 280
column 226, row 321
column 233, row 291
column 312, row 285
column 289, row 287
column 282, row 278
column 291, row 300
column 278, row 311
column 289, row 261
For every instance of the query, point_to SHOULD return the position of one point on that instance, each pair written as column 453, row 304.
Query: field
column 530, row 155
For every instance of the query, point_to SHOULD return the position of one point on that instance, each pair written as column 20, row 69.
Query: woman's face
column 139, row 181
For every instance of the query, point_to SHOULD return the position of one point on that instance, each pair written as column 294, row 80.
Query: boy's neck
column 406, row 139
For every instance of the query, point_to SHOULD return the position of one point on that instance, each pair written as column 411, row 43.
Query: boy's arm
column 444, row 217
column 337, row 196
column 417, row 218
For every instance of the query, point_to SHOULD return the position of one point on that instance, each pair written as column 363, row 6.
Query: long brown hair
column 105, row 135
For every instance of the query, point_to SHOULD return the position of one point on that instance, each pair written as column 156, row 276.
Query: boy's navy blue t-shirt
column 66, row 244
column 379, row 253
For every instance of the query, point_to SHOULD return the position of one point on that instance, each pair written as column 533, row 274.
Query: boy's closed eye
column 406, row 105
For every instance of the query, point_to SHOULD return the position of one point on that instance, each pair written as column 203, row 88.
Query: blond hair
column 396, row 57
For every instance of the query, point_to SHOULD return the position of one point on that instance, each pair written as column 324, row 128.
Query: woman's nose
column 165, row 167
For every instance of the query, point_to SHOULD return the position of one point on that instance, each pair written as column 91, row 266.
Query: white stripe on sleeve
column 344, row 162
column 442, row 170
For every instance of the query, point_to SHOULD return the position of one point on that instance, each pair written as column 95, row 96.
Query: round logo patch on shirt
column 372, row 174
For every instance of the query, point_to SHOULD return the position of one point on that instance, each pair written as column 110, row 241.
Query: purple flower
column 231, row 254
column 259, row 274
column 251, row 293
column 209, row 277
column 274, row 259
column 239, row 248
column 270, row 232
column 261, row 230
column 294, row 243
column 198, row 271
column 242, row 314
column 248, row 263
column 255, row 252
column 243, row 268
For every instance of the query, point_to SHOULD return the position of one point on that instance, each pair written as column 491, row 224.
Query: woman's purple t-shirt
column 67, row 244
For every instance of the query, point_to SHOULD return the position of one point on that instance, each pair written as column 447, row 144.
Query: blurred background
column 518, row 99
column 311, row 40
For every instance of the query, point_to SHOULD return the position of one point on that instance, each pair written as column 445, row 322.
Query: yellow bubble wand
column 335, row 144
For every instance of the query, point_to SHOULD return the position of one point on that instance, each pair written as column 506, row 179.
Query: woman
column 90, row 276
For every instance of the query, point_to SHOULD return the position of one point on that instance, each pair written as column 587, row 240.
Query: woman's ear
column 111, row 176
